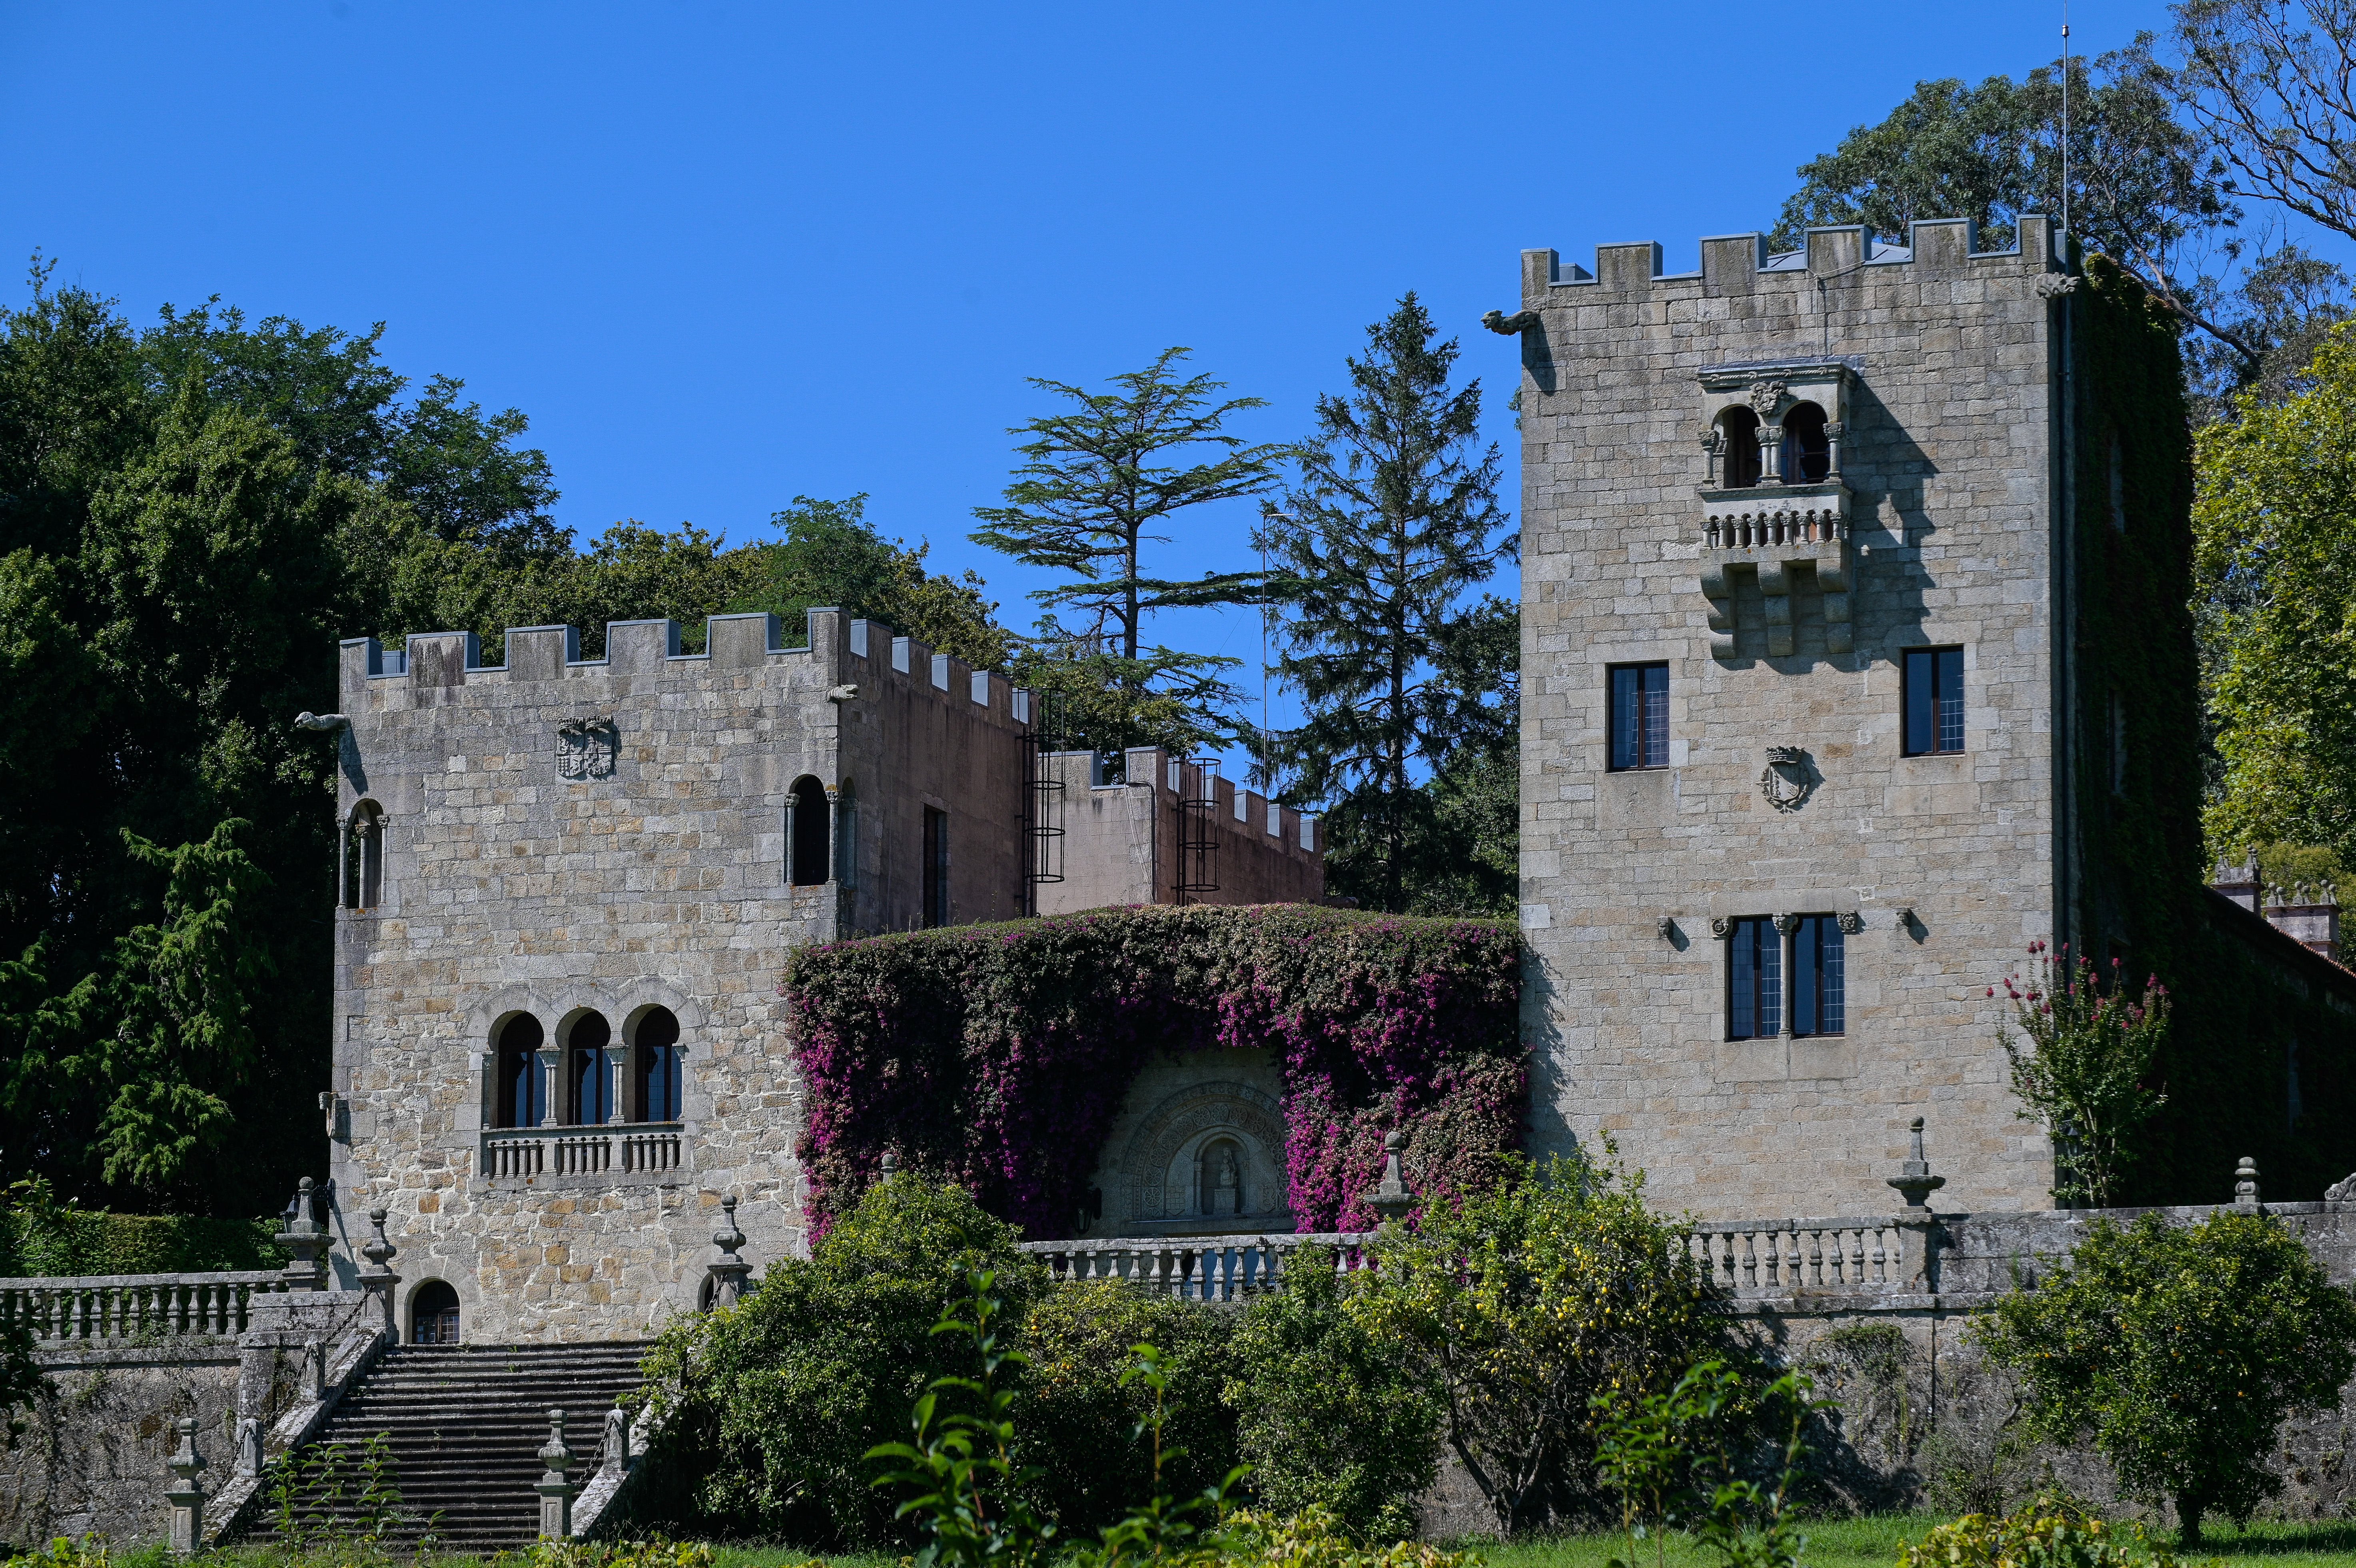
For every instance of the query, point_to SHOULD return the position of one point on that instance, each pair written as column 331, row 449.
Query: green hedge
column 36, row 1242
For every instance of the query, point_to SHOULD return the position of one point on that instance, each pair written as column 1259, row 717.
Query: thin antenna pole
column 2065, row 117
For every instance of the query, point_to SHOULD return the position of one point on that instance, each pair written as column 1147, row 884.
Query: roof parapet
column 1733, row 263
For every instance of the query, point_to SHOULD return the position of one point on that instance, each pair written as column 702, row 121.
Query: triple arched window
column 589, row 1078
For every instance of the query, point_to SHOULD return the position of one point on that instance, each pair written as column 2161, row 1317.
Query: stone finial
column 890, row 1167
column 555, row 1486
column 1914, row 1181
column 1390, row 1197
column 2245, row 1187
column 377, row 1279
column 617, row 1440
column 186, row 1493
column 314, row 1371
column 726, row 1269
column 307, row 1240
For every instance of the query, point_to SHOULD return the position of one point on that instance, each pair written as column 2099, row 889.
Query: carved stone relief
column 586, row 749
column 1209, row 1157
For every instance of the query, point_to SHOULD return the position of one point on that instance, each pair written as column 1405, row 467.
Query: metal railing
column 628, row 1149
column 136, row 1308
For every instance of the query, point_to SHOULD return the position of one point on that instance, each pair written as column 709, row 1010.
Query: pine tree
column 1393, row 521
column 1095, row 487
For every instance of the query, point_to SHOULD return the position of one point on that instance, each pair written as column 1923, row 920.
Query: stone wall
column 92, row 1457
column 1125, row 844
column 1951, row 359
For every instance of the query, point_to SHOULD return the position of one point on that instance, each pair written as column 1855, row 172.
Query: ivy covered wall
column 999, row 1054
column 2247, row 1002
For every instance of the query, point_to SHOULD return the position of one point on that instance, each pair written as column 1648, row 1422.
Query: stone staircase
column 463, row 1427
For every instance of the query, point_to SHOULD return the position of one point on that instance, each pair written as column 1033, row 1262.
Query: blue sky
column 724, row 254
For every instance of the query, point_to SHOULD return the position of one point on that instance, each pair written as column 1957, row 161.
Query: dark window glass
column 1738, row 465
column 1754, row 980
column 1933, row 700
column 937, row 867
column 805, row 835
column 1816, row 976
column 659, row 1067
column 1807, row 454
column 1640, row 715
column 593, row 1078
column 521, row 1099
column 433, row 1315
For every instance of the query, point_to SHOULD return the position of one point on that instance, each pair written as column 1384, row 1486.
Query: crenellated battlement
column 1741, row 263
column 854, row 649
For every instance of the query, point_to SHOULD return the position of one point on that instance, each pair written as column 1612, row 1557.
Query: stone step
column 461, row 1429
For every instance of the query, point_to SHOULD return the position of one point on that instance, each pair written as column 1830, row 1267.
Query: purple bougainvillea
column 1000, row 1054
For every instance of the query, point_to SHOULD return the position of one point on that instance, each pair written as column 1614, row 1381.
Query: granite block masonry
column 570, row 889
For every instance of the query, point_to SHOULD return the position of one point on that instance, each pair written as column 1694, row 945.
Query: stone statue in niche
column 586, row 749
column 1223, row 1183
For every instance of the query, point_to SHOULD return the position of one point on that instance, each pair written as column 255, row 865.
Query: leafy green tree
column 1100, row 480
column 828, row 554
column 1331, row 1416
column 1392, row 521
column 2182, row 1351
column 2274, row 557
column 782, row 1397
column 1521, row 1306
column 2081, row 1051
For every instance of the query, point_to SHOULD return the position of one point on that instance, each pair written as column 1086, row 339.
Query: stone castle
column 1815, row 741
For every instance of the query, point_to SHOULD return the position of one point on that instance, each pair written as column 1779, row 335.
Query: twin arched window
column 592, row 1080
column 1803, row 458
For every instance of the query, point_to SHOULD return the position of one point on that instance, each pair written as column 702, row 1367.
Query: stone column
column 186, row 1493
column 306, row 1239
column 1783, row 925
column 618, row 1083
column 377, row 1279
column 554, row 1486
column 1834, row 431
column 1771, row 454
column 552, row 1063
column 727, row 1269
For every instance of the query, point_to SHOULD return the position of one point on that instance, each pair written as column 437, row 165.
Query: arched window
column 1807, row 451
column 1739, row 462
column 433, row 1315
column 656, row 1040
column 806, row 833
column 589, row 1076
column 364, row 857
column 522, row 1099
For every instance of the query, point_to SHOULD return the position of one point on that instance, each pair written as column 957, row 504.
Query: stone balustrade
column 1781, row 1257
column 635, row 1150
column 128, row 1308
column 1196, row 1268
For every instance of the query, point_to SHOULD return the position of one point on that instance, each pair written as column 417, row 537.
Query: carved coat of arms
column 586, row 749
column 1788, row 780
column 1767, row 400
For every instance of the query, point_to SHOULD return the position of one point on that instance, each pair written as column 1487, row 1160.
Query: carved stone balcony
column 635, row 1154
column 1771, row 529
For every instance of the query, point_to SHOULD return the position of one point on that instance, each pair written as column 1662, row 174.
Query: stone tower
column 1804, row 747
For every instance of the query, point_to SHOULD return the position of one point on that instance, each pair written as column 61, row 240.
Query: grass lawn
column 1873, row 1543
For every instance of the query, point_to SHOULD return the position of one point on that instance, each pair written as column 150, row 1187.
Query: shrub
column 1316, row 1538
column 2081, row 1074
column 2182, row 1350
column 780, row 1397
column 1078, row 1420
column 1001, row 1054
column 39, row 1236
column 1521, row 1306
column 2049, row 1532
column 1332, row 1417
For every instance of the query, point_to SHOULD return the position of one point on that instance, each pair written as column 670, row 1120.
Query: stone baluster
column 727, row 1269
column 377, row 1279
column 186, row 1496
column 555, row 1486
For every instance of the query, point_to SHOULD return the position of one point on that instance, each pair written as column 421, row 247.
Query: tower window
column 522, row 1100
column 1739, row 459
column 659, row 1065
column 590, row 1070
column 937, row 867
column 1817, row 962
column 806, row 833
column 364, row 857
column 1640, row 716
column 1934, row 701
column 1754, row 980
column 1807, row 449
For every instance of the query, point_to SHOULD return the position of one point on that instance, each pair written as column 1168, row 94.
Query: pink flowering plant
column 999, row 1055
column 2082, row 1047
